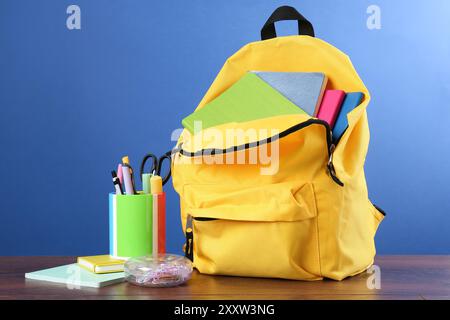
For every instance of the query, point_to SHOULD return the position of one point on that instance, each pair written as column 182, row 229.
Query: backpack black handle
column 286, row 13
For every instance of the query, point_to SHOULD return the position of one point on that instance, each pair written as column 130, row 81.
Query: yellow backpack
column 310, row 220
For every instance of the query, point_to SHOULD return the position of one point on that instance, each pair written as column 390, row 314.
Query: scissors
column 157, row 165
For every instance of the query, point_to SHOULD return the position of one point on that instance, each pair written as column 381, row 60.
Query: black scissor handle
column 157, row 165
column 154, row 163
column 159, row 168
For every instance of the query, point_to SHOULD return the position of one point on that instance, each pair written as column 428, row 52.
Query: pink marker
column 120, row 173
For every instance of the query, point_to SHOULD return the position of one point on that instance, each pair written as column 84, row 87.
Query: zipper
column 204, row 219
column 295, row 128
column 189, row 246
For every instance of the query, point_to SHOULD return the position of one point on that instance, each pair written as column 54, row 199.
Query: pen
column 116, row 183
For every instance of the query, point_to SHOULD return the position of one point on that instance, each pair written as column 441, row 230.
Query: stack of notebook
column 259, row 95
column 248, row 99
column 92, row 271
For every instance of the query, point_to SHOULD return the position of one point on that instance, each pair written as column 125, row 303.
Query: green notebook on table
column 249, row 98
column 73, row 275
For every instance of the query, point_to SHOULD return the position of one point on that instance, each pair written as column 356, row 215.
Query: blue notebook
column 351, row 101
column 304, row 89
column 73, row 275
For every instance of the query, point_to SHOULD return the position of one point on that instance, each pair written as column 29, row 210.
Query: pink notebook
column 330, row 106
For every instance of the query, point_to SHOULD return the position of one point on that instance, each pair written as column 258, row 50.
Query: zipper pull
column 332, row 148
column 189, row 246
column 330, row 165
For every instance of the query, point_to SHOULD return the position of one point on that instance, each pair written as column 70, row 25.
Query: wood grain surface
column 402, row 277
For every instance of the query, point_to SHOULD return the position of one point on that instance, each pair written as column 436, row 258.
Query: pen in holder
column 130, row 225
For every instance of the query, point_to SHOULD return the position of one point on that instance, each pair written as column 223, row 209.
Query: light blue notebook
column 351, row 101
column 73, row 275
column 304, row 89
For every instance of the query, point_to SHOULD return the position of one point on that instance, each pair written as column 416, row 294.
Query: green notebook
column 73, row 275
column 249, row 98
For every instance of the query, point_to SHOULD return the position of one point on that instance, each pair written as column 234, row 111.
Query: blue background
column 73, row 102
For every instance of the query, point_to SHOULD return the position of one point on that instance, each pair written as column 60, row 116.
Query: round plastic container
column 162, row 270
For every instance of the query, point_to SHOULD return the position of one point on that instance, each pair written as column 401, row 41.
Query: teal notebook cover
column 73, row 275
column 249, row 98
column 304, row 89
column 351, row 101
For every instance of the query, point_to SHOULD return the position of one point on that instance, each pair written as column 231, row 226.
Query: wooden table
column 402, row 277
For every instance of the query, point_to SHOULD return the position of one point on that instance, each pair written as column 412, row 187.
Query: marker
column 116, row 183
column 146, row 184
column 127, row 171
column 156, row 184
column 119, row 173
column 159, row 215
column 128, row 179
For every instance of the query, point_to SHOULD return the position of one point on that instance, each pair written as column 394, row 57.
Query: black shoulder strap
column 286, row 13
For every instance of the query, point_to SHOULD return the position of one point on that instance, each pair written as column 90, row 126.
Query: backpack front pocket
column 264, row 231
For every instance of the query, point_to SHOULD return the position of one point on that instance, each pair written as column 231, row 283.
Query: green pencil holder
column 130, row 225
